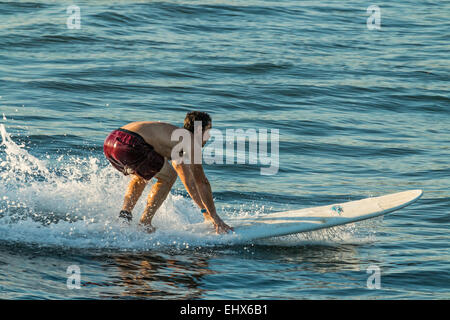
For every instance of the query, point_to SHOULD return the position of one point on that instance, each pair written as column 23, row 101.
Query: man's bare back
column 156, row 134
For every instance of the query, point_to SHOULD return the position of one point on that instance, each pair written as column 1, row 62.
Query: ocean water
column 360, row 111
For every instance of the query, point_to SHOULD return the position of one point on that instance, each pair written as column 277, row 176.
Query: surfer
column 144, row 150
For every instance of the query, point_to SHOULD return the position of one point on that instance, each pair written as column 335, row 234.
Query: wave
column 73, row 202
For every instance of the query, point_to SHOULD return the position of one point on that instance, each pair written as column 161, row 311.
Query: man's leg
column 159, row 192
column 134, row 191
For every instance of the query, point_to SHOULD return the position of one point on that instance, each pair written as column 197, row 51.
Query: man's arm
column 198, row 187
column 197, row 199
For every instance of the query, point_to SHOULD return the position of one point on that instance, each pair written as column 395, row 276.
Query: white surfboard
column 310, row 219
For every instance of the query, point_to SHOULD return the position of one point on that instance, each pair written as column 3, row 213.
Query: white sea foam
column 74, row 202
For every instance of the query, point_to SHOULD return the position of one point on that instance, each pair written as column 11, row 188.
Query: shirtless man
column 144, row 149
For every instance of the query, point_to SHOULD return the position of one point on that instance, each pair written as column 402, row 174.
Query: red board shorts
column 130, row 154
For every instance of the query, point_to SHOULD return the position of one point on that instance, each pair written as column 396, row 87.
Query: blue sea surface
column 361, row 112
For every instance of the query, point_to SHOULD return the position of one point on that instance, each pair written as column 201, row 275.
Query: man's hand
column 222, row 227
column 198, row 187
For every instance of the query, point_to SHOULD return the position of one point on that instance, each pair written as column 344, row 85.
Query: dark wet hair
column 193, row 116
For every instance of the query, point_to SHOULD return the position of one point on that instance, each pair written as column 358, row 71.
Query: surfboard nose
column 418, row 192
column 400, row 199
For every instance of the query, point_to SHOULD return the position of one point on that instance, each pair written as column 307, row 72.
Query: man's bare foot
column 147, row 228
